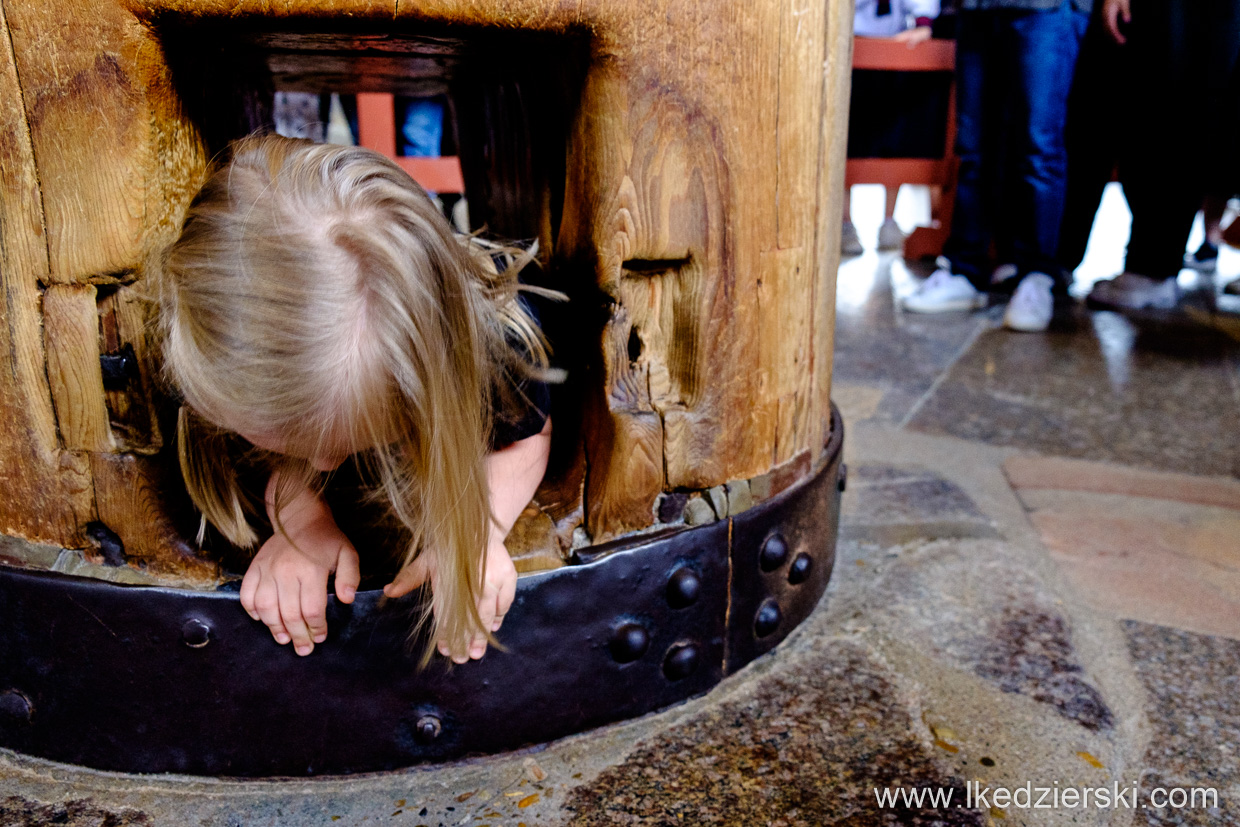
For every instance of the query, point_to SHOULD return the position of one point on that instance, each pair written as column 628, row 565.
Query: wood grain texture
column 702, row 149
column 83, row 90
column 117, row 159
column 623, row 439
column 71, row 333
column 136, row 500
column 48, row 495
column 832, row 156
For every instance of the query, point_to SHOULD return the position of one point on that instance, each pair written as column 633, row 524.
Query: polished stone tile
column 889, row 505
column 1158, row 561
column 895, row 354
column 806, row 748
column 1097, row 386
column 1193, row 709
column 1060, row 474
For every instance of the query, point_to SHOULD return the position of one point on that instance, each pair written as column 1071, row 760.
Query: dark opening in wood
column 510, row 96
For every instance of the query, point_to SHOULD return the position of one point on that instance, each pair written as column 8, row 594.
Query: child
column 319, row 306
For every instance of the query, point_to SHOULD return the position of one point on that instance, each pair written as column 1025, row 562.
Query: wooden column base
column 149, row 680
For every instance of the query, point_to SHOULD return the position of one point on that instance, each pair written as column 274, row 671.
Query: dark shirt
column 532, row 398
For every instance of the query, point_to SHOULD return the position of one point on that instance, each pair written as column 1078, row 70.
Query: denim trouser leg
column 968, row 245
column 1020, row 62
column 1044, row 48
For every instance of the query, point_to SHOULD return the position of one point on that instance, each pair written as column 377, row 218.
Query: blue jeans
column 1013, row 74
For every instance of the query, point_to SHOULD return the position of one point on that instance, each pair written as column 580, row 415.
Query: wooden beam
column 71, row 332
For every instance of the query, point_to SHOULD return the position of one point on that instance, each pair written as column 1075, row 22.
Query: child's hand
column 499, row 587
column 286, row 586
column 1115, row 12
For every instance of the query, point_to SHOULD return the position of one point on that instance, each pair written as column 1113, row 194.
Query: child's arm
column 513, row 475
column 286, row 584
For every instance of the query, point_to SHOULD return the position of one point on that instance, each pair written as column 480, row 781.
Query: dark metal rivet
column 15, row 707
column 774, row 553
column 843, row 481
column 799, row 572
column 683, row 588
column 767, row 620
column 681, row 661
column 428, row 728
column 195, row 633
column 629, row 642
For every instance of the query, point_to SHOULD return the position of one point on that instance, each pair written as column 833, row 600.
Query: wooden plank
column 143, row 501
column 118, row 160
column 376, row 122
column 48, row 495
column 624, row 442
column 379, row 10
column 442, row 174
column 82, row 76
column 892, row 55
column 896, row 171
column 802, row 27
column 71, row 335
column 832, row 146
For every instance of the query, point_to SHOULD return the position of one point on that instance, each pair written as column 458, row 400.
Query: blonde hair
column 317, row 293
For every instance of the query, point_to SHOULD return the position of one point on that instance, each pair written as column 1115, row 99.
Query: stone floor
column 1037, row 583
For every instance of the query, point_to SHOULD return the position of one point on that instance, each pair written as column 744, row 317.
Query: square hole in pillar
column 491, row 106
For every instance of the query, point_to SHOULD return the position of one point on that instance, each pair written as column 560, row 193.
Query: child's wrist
column 497, row 536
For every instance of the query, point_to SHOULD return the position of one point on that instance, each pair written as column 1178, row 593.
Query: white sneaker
column 943, row 293
column 890, row 236
column 1130, row 291
column 850, row 241
column 1032, row 304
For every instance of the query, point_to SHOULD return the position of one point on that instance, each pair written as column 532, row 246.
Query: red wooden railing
column 376, row 127
column 928, row 56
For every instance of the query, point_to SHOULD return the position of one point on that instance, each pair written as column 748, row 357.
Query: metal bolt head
column 428, row 728
column 15, row 707
column 681, row 661
column 767, row 619
column 629, row 642
column 798, row 573
column 774, row 553
column 195, row 633
column 683, row 588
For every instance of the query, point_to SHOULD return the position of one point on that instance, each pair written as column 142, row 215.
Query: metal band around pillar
column 150, row 680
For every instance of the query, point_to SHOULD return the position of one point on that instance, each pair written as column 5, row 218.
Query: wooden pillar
column 686, row 181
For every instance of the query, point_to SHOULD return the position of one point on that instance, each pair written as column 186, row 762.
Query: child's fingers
column 487, row 609
column 290, row 613
column 314, row 609
column 507, row 593
column 267, row 605
column 409, row 578
column 249, row 585
column 348, row 575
